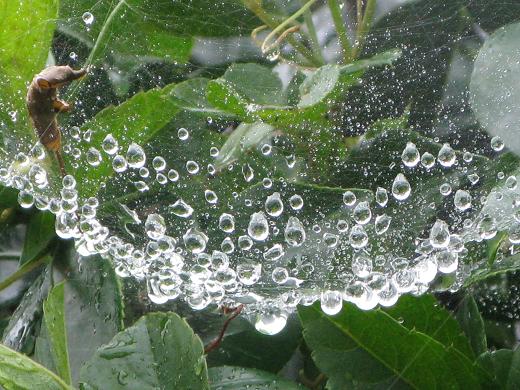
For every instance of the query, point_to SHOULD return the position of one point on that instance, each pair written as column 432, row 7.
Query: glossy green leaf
column 472, row 324
column 135, row 120
column 159, row 351
column 493, row 81
column 26, row 35
column 8, row 197
column 17, row 371
column 40, row 234
column 54, row 316
column 504, row 365
column 389, row 348
column 235, row 378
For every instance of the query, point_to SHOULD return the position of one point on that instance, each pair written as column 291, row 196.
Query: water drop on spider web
column 258, row 228
column 274, row 205
column 401, row 188
column 410, row 155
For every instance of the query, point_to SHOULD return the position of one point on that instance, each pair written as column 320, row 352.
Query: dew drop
column 274, row 253
column 226, row 223
column 110, row 144
column 410, row 155
column 358, row 238
column 446, row 156
column 439, row 234
column 258, row 228
column 462, row 200
column 210, row 196
column 271, row 323
column 497, row 144
column 274, row 205
column 181, row 209
column 173, row 175
column 248, row 172
column 362, row 213
column 192, row 167
column 427, row 160
column 401, row 187
column 381, row 196
column 93, row 157
column 331, row 302
column 195, row 241
column 245, row 243
column 382, row 223
column 361, row 266
column 349, row 198
column 296, row 202
column 294, row 232
column 155, row 226
column 183, row 134
column 249, row 274
column 88, row 18
column 135, row 156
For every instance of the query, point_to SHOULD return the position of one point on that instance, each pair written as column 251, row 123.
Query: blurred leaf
column 321, row 89
column 17, row 371
column 493, row 92
column 26, row 35
column 159, row 351
column 472, row 324
column 235, row 378
column 126, row 28
column 250, row 348
column 53, row 309
column 504, row 365
column 390, row 348
column 8, row 197
column 40, row 233
column 23, row 326
column 246, row 136
column 135, row 120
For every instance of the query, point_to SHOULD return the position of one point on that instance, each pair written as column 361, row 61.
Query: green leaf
column 93, row 308
column 472, row 324
column 246, row 136
column 40, row 233
column 504, row 364
column 390, row 348
column 126, row 29
column 18, row 372
column 53, row 309
column 250, row 348
column 235, row 378
column 493, row 95
column 22, row 330
column 26, row 35
column 318, row 92
column 159, row 351
column 8, row 197
column 135, row 120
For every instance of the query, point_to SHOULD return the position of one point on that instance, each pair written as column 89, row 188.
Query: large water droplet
column 271, row 323
column 462, row 200
column 155, row 226
column 362, row 213
column 181, row 209
column 258, row 228
column 446, row 156
column 381, row 196
column 382, row 223
column 294, row 232
column 439, row 234
column 135, row 156
column 401, row 187
column 274, row 205
column 226, row 223
column 331, row 302
column 195, row 241
column 358, row 237
column 349, row 198
column 410, row 155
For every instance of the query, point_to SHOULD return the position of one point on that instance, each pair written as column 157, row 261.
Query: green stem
column 282, row 26
column 364, row 27
column 307, row 16
column 21, row 272
column 341, row 30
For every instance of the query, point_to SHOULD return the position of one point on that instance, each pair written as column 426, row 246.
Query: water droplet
column 195, row 241
column 447, row 261
column 473, row 178
column 271, row 323
column 266, row 149
column 349, row 198
column 192, row 167
column 331, row 302
column 210, row 196
column 181, row 209
column 135, row 156
column 88, row 18
column 258, row 228
column 511, row 182
column 279, row 275
column 361, row 266
column 410, row 155
column 93, row 157
column 427, row 160
column 401, row 187
column 487, row 227
column 213, row 151
column 183, row 134
column 330, row 239
column 381, row 196
column 440, row 234
column 274, row 205
column 358, row 237
column 296, row 202
column 274, row 253
column 446, row 156
column 445, row 189
column 462, row 200
column 245, row 243
column 362, row 213
column 173, row 175
column 155, row 226
column 382, row 223
column 158, row 163
column 294, row 232
column 248, row 172
column 249, row 274
column 226, row 223
column 342, row 226
column 497, row 144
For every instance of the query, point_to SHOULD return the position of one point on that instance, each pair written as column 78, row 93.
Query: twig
column 215, row 343
column 364, row 27
column 341, row 30
column 21, row 272
column 313, row 36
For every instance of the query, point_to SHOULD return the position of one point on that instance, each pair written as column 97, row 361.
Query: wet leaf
column 54, row 316
column 160, row 350
column 394, row 348
column 40, row 234
column 493, row 81
column 472, row 324
column 17, row 371
column 504, row 365
column 234, row 378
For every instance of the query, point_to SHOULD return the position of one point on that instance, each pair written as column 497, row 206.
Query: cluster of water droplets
column 269, row 254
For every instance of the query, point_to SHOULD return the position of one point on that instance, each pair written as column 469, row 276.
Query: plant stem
column 307, row 16
column 341, row 30
column 364, row 27
column 21, row 272
column 359, row 11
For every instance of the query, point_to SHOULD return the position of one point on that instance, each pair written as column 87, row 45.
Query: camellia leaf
column 235, row 378
column 26, row 35
column 17, row 371
column 159, row 351
column 504, row 364
column 494, row 96
column 472, row 324
column 54, row 316
column 396, row 348
column 40, row 233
